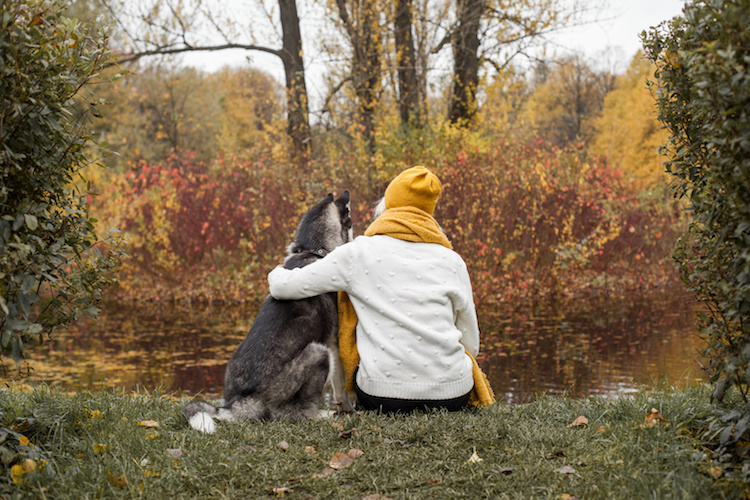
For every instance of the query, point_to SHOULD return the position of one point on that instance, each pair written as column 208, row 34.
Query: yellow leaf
column 16, row 474
column 100, row 448
column 148, row 423
column 579, row 422
column 340, row 461
column 23, row 440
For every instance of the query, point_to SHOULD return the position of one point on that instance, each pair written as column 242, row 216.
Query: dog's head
column 324, row 227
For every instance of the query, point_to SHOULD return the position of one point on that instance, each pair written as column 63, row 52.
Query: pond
column 594, row 346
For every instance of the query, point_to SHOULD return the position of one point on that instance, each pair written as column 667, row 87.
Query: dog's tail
column 201, row 415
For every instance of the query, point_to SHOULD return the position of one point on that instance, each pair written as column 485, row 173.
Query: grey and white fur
column 281, row 368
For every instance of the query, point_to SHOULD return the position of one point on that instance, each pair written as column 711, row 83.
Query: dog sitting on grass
column 281, row 368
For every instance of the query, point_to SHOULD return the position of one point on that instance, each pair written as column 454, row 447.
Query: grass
column 94, row 445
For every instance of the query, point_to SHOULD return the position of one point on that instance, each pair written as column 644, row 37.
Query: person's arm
column 466, row 317
column 323, row 276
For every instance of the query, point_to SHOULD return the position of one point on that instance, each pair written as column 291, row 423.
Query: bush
column 51, row 270
column 702, row 85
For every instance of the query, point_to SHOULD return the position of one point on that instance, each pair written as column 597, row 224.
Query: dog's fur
column 281, row 368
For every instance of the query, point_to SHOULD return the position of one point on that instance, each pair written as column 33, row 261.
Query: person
column 409, row 294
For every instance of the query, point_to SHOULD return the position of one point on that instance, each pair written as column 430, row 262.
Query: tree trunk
column 406, row 63
column 465, row 44
column 363, row 29
column 298, row 125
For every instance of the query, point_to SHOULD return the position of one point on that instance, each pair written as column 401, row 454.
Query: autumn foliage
column 529, row 218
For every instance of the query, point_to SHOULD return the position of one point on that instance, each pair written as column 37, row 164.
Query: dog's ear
column 344, row 199
column 328, row 198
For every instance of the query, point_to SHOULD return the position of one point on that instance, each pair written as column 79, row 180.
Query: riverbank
column 138, row 445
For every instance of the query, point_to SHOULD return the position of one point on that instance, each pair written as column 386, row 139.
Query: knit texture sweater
column 415, row 313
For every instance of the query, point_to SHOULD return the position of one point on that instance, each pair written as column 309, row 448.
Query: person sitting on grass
column 408, row 330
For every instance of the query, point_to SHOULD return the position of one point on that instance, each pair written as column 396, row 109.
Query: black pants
column 395, row 405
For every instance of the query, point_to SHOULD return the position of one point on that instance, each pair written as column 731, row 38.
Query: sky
column 619, row 25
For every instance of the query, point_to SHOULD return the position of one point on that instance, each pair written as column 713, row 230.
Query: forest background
column 552, row 180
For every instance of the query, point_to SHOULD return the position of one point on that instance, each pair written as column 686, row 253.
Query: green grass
column 91, row 445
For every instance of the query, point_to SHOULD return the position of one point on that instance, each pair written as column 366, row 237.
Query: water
column 596, row 346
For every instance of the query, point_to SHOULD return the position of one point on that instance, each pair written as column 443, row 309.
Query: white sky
column 619, row 26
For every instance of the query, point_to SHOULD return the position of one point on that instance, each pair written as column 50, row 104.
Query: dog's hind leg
column 295, row 392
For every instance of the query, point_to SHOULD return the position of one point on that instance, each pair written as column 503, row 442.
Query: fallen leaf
column 376, row 496
column 309, row 449
column 174, row 452
column 566, row 496
column 340, row 461
column 100, row 448
column 280, row 492
column 16, row 474
column 565, row 469
column 355, row 453
column 348, row 434
column 148, row 423
column 654, row 418
column 393, row 441
column 506, row 470
column 283, row 445
column 120, row 482
column 715, row 471
column 325, row 472
column 580, row 421
column 474, row 458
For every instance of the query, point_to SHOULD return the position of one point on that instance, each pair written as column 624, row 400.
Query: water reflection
column 597, row 346
column 600, row 346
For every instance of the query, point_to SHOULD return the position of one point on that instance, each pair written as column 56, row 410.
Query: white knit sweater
column 415, row 309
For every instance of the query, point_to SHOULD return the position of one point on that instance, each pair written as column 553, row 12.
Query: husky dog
column 281, row 368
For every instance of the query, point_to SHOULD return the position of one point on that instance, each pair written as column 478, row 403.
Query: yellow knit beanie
column 414, row 187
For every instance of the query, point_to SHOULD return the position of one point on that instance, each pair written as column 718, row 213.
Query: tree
column 494, row 32
column 702, row 88
column 51, row 268
column 168, row 27
column 406, row 62
column 568, row 99
column 360, row 20
column 627, row 131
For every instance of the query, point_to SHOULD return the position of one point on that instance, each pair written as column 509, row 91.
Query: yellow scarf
column 410, row 224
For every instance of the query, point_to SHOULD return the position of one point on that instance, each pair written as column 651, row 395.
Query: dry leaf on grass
column 355, row 453
column 565, row 469
column 280, row 492
column 474, row 458
column 174, row 452
column 325, row 472
column 340, row 461
column 349, row 433
column 283, row 445
column 716, row 472
column 654, row 418
column 310, row 449
column 393, row 441
column 148, row 423
column 579, row 422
